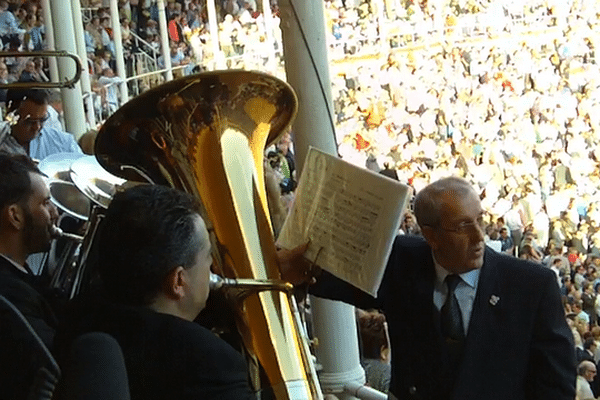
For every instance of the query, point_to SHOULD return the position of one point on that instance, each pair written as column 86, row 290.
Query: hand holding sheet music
column 350, row 216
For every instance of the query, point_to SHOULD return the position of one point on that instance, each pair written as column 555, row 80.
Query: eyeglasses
column 32, row 121
column 464, row 227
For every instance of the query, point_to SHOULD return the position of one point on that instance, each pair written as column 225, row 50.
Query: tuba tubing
column 206, row 134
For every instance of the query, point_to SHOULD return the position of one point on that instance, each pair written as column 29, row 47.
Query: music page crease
column 350, row 214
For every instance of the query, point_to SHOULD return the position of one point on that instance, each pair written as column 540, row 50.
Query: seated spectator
column 375, row 350
column 589, row 349
column 29, row 135
column 492, row 238
column 34, row 38
column 41, row 72
column 409, row 225
column 580, row 314
column 93, row 35
column 110, row 82
column 586, row 371
column 9, row 25
column 508, row 246
column 15, row 64
column 175, row 28
column 4, row 78
column 528, row 252
column 29, row 74
column 106, row 34
column 55, row 110
column 178, row 58
column 151, row 28
column 154, row 265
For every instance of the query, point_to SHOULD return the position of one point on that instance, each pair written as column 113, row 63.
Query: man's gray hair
column 584, row 367
column 428, row 204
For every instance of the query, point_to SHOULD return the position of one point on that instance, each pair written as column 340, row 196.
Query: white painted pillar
column 64, row 39
column 334, row 325
column 164, row 39
column 313, row 125
column 334, row 322
column 118, row 39
column 213, row 25
column 268, row 20
column 49, row 27
column 86, row 87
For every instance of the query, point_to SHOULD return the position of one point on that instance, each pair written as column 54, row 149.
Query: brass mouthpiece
column 57, row 232
column 216, row 282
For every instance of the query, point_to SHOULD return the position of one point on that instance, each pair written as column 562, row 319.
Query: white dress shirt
column 465, row 292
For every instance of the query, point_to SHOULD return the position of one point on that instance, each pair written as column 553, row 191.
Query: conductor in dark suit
column 154, row 258
column 465, row 322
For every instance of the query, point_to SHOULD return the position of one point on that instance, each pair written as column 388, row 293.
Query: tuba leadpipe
column 205, row 134
column 69, row 83
column 252, row 285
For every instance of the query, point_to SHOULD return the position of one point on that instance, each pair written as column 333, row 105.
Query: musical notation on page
column 348, row 213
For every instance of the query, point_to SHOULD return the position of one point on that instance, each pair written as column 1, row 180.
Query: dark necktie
column 452, row 325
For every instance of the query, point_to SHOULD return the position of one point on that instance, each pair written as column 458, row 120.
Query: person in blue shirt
column 9, row 26
column 25, row 132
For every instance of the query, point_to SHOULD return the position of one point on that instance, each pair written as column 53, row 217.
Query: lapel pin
column 494, row 300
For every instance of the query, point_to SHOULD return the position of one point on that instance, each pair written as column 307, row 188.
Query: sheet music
column 348, row 213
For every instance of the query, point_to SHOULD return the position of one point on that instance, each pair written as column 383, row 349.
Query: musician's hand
column 294, row 267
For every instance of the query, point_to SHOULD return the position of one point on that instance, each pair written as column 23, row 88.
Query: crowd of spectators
column 517, row 118
column 241, row 33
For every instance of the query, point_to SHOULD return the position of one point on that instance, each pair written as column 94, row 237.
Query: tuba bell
column 205, row 134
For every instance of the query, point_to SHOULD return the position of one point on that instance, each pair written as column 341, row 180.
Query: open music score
column 348, row 213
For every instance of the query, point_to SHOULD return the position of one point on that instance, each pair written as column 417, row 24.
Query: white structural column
column 49, row 28
column 64, row 39
column 307, row 67
column 268, row 21
column 86, row 87
column 118, row 39
column 334, row 325
column 213, row 25
column 164, row 39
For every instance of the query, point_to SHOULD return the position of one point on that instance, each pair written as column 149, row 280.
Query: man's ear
column 15, row 216
column 430, row 236
column 176, row 282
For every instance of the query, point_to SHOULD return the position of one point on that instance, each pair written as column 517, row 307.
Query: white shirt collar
column 471, row 278
column 13, row 262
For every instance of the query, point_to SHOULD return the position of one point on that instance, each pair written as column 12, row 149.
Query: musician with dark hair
column 26, row 219
column 154, row 259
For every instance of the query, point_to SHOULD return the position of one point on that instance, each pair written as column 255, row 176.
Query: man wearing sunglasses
column 25, row 133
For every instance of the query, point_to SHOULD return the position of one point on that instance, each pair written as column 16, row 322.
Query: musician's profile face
column 40, row 216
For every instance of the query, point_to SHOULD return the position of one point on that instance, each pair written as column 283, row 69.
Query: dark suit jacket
column 166, row 357
column 20, row 354
column 519, row 348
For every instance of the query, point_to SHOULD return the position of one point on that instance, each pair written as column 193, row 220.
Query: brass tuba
column 206, row 134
